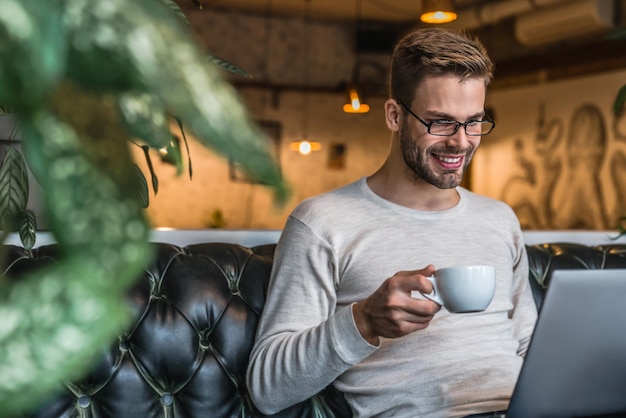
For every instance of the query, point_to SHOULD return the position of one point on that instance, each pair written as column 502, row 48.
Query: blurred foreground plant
column 84, row 78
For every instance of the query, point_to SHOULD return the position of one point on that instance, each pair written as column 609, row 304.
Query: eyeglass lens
column 472, row 128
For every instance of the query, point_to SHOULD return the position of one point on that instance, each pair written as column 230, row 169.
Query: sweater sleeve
column 524, row 314
column 303, row 343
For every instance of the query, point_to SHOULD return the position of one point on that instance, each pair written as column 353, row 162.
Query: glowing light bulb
column 305, row 148
column 355, row 105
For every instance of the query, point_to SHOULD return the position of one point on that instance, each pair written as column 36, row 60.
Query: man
column 340, row 309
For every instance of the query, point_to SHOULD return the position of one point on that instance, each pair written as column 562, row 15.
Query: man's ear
column 392, row 115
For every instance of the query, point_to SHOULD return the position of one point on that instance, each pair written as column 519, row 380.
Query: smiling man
column 339, row 307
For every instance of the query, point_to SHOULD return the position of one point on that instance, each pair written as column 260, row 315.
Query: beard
column 418, row 160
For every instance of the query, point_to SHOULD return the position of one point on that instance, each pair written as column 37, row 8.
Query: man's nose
column 459, row 139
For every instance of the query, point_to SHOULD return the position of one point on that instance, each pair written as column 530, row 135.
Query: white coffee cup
column 462, row 288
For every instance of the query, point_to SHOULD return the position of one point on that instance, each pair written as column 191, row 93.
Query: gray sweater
column 336, row 249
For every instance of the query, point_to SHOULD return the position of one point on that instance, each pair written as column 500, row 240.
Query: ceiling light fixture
column 306, row 146
column 354, row 100
column 438, row 11
column 354, row 103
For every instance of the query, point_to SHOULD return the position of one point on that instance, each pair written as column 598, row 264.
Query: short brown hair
column 436, row 51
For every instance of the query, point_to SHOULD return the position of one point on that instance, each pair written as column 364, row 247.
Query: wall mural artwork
column 528, row 194
column 562, row 184
column 618, row 168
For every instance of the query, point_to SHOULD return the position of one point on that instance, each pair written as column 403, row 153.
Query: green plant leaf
column 32, row 50
column 227, row 66
column 13, row 187
column 102, row 237
column 142, row 188
column 172, row 155
column 182, row 132
column 145, row 118
column 620, row 100
column 155, row 179
column 175, row 8
column 27, row 227
column 176, row 70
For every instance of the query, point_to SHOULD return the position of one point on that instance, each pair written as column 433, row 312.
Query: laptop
column 576, row 361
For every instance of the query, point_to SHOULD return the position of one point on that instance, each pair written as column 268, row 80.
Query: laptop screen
column 576, row 362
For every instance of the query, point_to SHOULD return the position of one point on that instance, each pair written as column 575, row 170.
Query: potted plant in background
column 85, row 77
column 14, row 182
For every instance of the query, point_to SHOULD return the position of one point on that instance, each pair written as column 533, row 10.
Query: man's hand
column 391, row 312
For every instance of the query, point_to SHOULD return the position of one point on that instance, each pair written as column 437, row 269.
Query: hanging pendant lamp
column 354, row 102
column 354, row 93
column 438, row 11
column 305, row 146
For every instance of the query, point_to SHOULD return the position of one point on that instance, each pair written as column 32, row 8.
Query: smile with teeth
column 449, row 161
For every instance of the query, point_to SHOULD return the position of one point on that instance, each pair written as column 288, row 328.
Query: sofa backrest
column 195, row 310
column 195, row 313
column 543, row 259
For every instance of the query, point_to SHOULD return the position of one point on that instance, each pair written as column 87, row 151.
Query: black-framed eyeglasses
column 445, row 127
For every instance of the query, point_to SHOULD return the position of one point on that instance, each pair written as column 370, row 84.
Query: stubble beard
column 417, row 160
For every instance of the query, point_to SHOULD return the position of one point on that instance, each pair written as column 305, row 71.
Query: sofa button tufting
column 167, row 399
column 83, row 401
column 205, row 344
column 124, row 345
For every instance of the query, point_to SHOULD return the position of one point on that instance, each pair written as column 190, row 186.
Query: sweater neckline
column 459, row 207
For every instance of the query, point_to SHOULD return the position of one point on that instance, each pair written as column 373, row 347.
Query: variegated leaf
column 227, row 66
column 13, row 187
column 27, row 227
column 175, row 8
column 145, row 118
column 142, row 188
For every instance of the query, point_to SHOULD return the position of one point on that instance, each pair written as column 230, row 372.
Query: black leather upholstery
column 543, row 259
column 196, row 310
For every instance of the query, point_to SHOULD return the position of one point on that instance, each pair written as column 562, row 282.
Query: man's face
column 441, row 160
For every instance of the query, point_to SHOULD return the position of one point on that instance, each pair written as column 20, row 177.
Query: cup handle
column 434, row 296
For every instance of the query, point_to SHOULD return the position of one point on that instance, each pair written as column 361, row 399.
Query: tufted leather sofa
column 196, row 310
